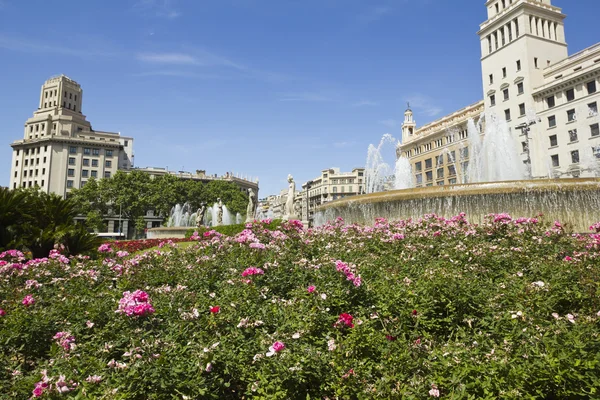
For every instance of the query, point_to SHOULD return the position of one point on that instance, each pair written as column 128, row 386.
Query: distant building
column 331, row 185
column 60, row 150
column 548, row 99
column 244, row 183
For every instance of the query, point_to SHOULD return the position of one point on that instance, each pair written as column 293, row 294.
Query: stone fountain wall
column 572, row 201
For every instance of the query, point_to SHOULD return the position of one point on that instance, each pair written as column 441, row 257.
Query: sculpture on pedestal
column 200, row 215
column 251, row 209
column 219, row 212
column 289, row 204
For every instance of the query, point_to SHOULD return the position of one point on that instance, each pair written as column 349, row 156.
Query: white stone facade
column 60, row 151
column 549, row 100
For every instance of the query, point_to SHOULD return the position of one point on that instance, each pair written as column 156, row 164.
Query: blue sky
column 260, row 87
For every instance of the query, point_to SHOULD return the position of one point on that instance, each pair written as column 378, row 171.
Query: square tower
column 518, row 41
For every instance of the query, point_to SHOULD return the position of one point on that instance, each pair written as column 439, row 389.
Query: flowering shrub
column 506, row 309
column 133, row 246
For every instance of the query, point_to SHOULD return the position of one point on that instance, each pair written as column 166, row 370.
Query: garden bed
column 409, row 309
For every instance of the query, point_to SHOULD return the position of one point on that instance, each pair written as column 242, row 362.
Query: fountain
column 493, row 181
column 182, row 217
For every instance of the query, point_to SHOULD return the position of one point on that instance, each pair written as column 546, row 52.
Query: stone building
column 60, row 150
column 548, row 99
column 331, row 185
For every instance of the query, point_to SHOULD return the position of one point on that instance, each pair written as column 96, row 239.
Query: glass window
column 571, row 115
column 451, row 170
column 591, row 87
column 71, row 160
column 570, row 94
column 555, row 162
column 428, row 163
column 553, row 141
column 429, row 175
column 73, row 150
column 492, row 100
column 71, row 172
column 108, row 163
column 451, row 156
column 86, row 162
column 505, row 93
column 520, row 88
column 94, row 174
column 593, row 109
column 575, row 156
column 94, row 163
column 419, row 179
column 85, row 173
column 595, row 130
column 109, row 153
column 507, row 114
column 86, row 151
column 418, row 166
column 522, row 109
column 552, row 121
column 69, row 184
column 95, row 152
column 573, row 135
column 440, row 173
column 107, row 174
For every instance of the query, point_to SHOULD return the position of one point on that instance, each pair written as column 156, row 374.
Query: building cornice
column 510, row 13
column 64, row 140
column 585, row 74
column 446, row 122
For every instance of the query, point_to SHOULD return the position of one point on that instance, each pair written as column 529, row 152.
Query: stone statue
column 200, row 215
column 251, row 209
column 289, row 204
column 219, row 212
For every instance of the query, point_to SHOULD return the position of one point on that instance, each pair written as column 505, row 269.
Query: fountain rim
column 468, row 189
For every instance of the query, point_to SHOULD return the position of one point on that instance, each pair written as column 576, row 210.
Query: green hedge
column 230, row 230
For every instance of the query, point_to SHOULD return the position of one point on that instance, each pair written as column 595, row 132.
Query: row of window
column 574, row 156
column 572, row 115
column 31, row 172
column 573, row 136
column 506, row 94
column 342, row 189
column 86, row 162
column 28, row 184
column 463, row 134
column 440, row 174
column 87, row 173
column 27, row 162
column 93, row 151
column 450, row 156
column 342, row 181
column 570, row 94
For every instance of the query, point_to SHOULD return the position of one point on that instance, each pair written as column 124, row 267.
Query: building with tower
column 60, row 150
column 548, row 99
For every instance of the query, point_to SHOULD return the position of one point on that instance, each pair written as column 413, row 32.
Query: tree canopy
column 133, row 194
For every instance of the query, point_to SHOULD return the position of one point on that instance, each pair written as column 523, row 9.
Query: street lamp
column 525, row 127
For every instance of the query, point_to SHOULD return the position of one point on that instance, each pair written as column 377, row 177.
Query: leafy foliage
column 36, row 221
column 411, row 309
column 132, row 194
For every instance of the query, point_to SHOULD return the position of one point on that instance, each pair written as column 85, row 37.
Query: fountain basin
column 171, row 232
column 572, row 201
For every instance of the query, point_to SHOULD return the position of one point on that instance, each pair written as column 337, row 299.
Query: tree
column 14, row 213
column 231, row 195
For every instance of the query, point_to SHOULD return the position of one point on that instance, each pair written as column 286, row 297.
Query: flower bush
column 506, row 309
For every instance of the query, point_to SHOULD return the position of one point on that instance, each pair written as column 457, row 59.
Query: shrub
column 507, row 309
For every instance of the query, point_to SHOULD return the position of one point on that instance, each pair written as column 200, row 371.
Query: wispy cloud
column 158, row 8
column 193, row 57
column 374, row 14
column 424, row 105
column 364, row 103
column 341, row 145
column 390, row 123
column 27, row 46
column 305, row 96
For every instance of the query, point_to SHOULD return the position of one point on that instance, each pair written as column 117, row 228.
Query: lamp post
column 308, row 186
column 525, row 127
